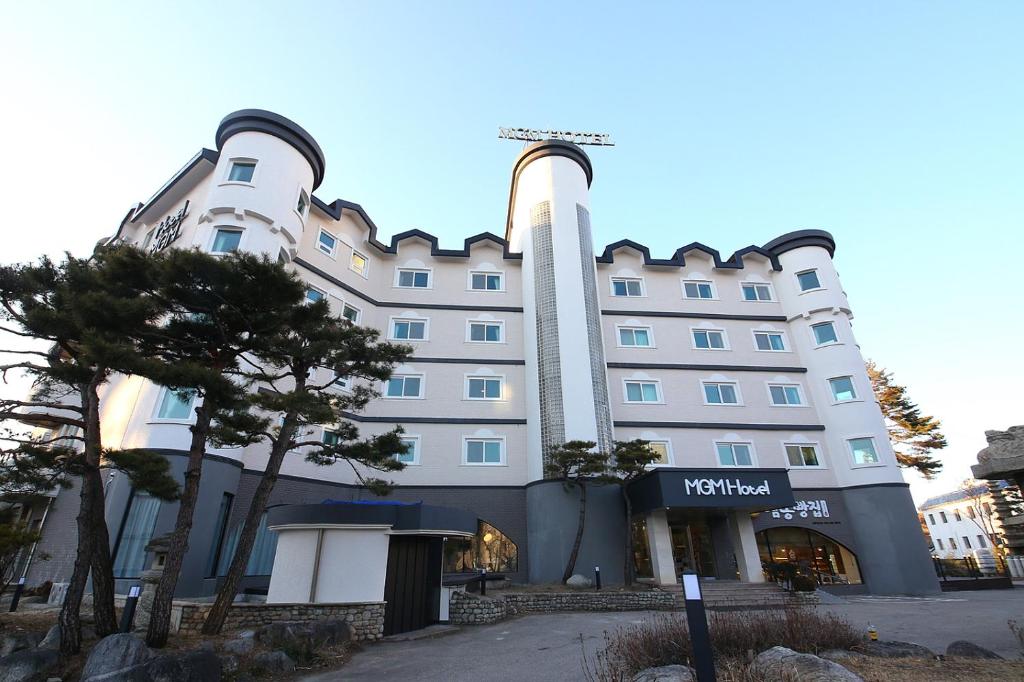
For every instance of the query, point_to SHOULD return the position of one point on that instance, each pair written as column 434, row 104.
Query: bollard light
column 128, row 615
column 17, row 594
column 597, row 577
column 697, row 619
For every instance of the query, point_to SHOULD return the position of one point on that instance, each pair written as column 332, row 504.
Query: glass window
column 359, row 263
column 327, row 243
column 638, row 337
column 136, row 532
column 489, row 548
column 641, row 392
column 824, row 332
column 970, row 512
column 931, row 519
column 410, row 330
column 802, row 455
column 785, row 394
column 757, row 292
column 483, row 451
column 769, row 341
column 697, row 289
column 404, row 386
column 241, row 171
column 220, row 529
column 810, row 553
column 942, row 515
column 939, row 540
column 956, row 515
column 176, row 404
column 264, row 547
column 622, row 286
column 734, row 454
column 412, row 451
column 808, row 280
column 330, row 438
column 981, row 542
column 485, row 332
column 707, row 339
column 313, row 295
column 350, row 313
column 226, row 241
column 483, row 388
column 863, row 450
column 842, row 389
column 967, row 542
column 303, row 202
column 414, row 279
column 485, row 281
column 660, row 448
column 952, row 543
column 721, row 394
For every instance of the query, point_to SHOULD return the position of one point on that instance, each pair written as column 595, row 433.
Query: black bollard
column 128, row 614
column 597, row 577
column 17, row 594
column 483, row 582
column 697, row 619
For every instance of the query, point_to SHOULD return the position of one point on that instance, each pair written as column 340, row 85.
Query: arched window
column 489, row 548
column 811, row 552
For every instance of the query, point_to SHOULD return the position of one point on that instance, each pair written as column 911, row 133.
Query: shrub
column 804, row 583
column 665, row 640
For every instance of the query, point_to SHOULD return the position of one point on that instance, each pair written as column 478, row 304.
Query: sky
column 897, row 127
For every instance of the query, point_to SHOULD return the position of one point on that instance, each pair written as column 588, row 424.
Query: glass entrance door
column 692, row 548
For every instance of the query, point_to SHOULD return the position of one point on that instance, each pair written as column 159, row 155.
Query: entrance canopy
column 752, row 489
column 413, row 518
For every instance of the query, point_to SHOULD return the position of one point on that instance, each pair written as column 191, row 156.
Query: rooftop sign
column 533, row 135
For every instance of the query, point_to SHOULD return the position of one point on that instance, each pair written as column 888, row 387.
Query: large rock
column 273, row 662
column 964, row 649
column 239, row 646
column 52, row 638
column 780, row 663
column 19, row 641
column 115, row 653
column 578, row 581
column 666, row 673
column 198, row 665
column 894, row 650
column 301, row 640
column 28, row 664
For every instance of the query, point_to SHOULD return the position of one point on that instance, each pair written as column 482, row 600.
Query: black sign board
column 753, row 489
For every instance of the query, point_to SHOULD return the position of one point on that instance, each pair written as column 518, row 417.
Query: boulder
column 666, row 673
column 780, row 663
column 964, row 649
column 840, row 655
column 19, row 641
column 115, row 653
column 28, row 664
column 239, row 646
column 273, row 662
column 52, row 638
column 303, row 639
column 894, row 650
column 578, row 581
column 198, row 665
column 228, row 664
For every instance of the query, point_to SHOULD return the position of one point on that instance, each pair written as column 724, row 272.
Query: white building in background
column 742, row 371
column 961, row 522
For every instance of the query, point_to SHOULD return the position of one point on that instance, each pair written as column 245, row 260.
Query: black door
column 412, row 588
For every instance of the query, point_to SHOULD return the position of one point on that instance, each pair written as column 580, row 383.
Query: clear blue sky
column 896, row 126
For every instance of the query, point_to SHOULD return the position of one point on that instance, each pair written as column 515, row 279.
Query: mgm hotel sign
column 534, row 135
column 753, row 489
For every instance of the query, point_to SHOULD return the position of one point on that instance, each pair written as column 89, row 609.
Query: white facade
column 960, row 524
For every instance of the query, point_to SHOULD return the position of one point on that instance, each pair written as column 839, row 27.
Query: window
column 635, row 337
column 967, row 542
column 342, row 381
column 350, row 313
column 942, row 515
column 931, row 519
column 709, row 339
column 483, row 388
column 226, row 241
column 330, row 438
column 786, row 395
column 952, row 543
column 313, row 295
column 486, row 281
column 409, row 330
column 175, row 404
column 405, row 386
column 412, row 450
column 358, row 263
column 264, row 547
column 981, row 542
column 771, row 341
column 698, row 289
column 327, row 243
column 956, row 515
column 642, row 392
column 484, row 451
column 412, row 279
column 824, row 332
column 219, row 530
column 808, row 280
column 842, row 389
column 716, row 393
column 303, row 203
column 756, row 292
column 241, row 171
column 800, row 455
column 625, row 286
column 970, row 513
column 940, row 543
column 863, row 450
column 734, row 454
column 486, row 332
column 136, row 532
column 662, row 449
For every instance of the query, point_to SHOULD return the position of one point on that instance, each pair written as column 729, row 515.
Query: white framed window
column 314, row 294
column 698, row 289
column 802, row 455
column 404, row 386
column 241, row 171
column 863, row 452
column 302, row 203
column 175, row 405
column 411, row 456
column 485, row 331
column 226, row 240
column 486, row 281
column 721, row 393
column 709, row 339
column 824, row 333
column 636, row 337
column 485, row 387
column 756, row 291
column 808, row 280
column 939, row 540
column 842, row 389
column 412, row 278
column 342, row 382
column 639, row 391
column 735, row 454
column 329, row 437
column 785, row 395
column 409, row 329
column 772, row 342
column 931, row 519
column 359, row 263
column 483, row 451
column 327, row 243
column 663, row 449
column 351, row 313
column 627, row 286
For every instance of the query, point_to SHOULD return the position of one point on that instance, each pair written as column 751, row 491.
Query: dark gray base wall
column 552, row 514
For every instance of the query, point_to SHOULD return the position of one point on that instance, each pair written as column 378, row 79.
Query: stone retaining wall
column 471, row 609
column 366, row 619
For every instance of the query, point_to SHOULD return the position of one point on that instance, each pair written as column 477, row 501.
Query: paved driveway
column 551, row 646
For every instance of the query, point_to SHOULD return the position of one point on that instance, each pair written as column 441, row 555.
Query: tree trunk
column 571, row 565
column 627, row 571
column 160, row 615
column 226, row 594
column 102, row 566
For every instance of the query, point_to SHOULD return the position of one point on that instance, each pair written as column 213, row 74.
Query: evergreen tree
column 632, row 460
column 298, row 374
column 576, row 462
column 914, row 436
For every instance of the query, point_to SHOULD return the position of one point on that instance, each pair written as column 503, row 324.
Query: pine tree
column 914, row 436
column 577, row 463
column 632, row 460
column 299, row 373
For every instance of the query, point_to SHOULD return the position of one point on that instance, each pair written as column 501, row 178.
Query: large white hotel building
column 742, row 371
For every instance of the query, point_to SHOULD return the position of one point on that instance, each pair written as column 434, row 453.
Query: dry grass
column 922, row 670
